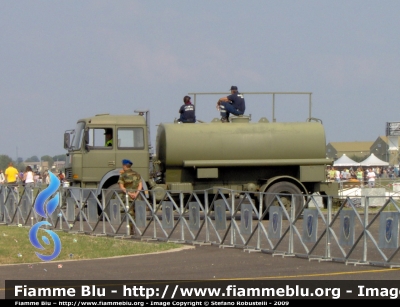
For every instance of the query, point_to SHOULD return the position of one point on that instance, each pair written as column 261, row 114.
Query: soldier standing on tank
column 130, row 182
column 187, row 111
column 234, row 103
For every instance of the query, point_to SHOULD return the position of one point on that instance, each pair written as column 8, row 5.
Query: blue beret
column 126, row 161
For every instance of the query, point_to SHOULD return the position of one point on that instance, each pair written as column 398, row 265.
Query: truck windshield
column 77, row 136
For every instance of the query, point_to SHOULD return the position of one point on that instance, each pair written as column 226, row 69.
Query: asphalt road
column 195, row 263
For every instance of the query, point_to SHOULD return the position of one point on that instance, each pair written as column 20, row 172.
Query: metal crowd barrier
column 361, row 230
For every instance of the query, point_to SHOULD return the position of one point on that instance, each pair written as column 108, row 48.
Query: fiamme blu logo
column 45, row 204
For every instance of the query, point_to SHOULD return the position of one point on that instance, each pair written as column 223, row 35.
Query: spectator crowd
column 27, row 177
column 360, row 173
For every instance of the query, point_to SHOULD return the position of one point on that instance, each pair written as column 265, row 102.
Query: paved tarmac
column 195, row 263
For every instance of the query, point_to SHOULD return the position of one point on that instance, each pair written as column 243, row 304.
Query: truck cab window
column 130, row 138
column 100, row 138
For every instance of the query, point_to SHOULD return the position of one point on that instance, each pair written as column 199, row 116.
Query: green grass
column 15, row 246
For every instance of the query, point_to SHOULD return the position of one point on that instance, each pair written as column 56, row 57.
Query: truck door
column 99, row 157
column 132, row 144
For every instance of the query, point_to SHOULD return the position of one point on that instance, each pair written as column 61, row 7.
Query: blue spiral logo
column 44, row 209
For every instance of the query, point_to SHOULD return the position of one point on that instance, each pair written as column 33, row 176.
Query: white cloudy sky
column 64, row 60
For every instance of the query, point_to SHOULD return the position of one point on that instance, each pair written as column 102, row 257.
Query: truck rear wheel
column 290, row 190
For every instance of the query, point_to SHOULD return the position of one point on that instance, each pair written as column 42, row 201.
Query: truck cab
column 98, row 144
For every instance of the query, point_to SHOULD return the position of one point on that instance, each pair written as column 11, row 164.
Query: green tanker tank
column 244, row 156
column 240, row 144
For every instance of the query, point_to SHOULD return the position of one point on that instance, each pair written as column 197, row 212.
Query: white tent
column 345, row 161
column 372, row 160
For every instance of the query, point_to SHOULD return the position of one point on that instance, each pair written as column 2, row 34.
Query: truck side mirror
column 67, row 141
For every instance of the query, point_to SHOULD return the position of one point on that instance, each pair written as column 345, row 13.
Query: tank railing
column 262, row 93
column 348, row 233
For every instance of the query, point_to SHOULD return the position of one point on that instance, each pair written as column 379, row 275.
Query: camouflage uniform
column 130, row 179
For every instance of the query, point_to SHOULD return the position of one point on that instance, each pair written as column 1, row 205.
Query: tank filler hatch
column 240, row 119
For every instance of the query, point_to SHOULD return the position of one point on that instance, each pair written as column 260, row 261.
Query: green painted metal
column 241, row 144
column 240, row 155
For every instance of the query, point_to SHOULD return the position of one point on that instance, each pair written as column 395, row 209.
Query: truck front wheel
column 285, row 191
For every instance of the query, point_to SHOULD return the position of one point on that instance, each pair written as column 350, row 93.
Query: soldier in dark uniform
column 187, row 111
column 234, row 103
column 130, row 182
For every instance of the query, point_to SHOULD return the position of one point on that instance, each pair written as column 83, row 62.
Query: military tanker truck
column 262, row 156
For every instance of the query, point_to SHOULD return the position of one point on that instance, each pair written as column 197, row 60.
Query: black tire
column 288, row 188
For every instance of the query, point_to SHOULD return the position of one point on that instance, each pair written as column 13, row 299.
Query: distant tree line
column 19, row 163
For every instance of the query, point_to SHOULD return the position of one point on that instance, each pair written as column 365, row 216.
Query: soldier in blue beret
column 130, row 182
column 126, row 161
